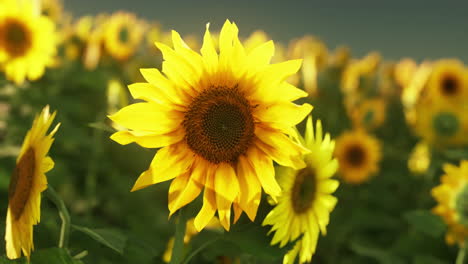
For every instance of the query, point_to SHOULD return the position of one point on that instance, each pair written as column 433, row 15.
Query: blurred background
column 419, row 29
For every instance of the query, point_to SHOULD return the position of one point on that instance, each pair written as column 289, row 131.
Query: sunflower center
column 461, row 206
column 449, row 85
column 355, row 155
column 445, row 124
column 304, row 189
column 21, row 183
column 369, row 117
column 124, row 34
column 219, row 124
column 16, row 38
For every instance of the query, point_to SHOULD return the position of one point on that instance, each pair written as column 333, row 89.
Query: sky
column 428, row 29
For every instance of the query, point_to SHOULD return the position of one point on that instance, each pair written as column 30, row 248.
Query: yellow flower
column 452, row 198
column 358, row 154
column 404, row 71
column 258, row 37
column 352, row 76
column 448, row 81
column 220, row 120
column 441, row 124
column 420, row 158
column 369, row 114
column 359, row 80
column 255, row 39
column 122, row 35
column 27, row 183
column 27, row 42
column 305, row 205
column 314, row 52
column 52, row 9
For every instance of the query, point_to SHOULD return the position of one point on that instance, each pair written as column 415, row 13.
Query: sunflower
column 452, row 201
column 220, row 121
column 369, row 114
column 305, row 205
column 315, row 53
column 27, row 42
column 52, row 9
column 448, row 81
column 358, row 154
column 122, row 35
column 441, row 124
column 359, row 79
column 27, row 183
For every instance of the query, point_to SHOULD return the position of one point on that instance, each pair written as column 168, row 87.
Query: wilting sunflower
column 358, row 154
column 26, row 184
column 306, row 202
column 448, row 81
column 220, row 121
column 122, row 35
column 27, row 41
column 452, row 201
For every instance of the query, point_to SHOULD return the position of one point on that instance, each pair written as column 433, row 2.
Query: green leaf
column 45, row 256
column 111, row 238
column 380, row 255
column 425, row 222
column 253, row 239
column 422, row 259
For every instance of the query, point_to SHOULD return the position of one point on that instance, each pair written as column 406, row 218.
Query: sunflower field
column 124, row 141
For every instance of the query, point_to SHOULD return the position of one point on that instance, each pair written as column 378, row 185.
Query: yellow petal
column 250, row 188
column 210, row 56
column 155, row 77
column 227, row 188
column 208, row 209
column 148, row 139
column 265, row 171
column 183, row 70
column 185, row 189
column 148, row 117
column 281, row 148
column 273, row 76
column 168, row 163
column 261, row 56
column 282, row 113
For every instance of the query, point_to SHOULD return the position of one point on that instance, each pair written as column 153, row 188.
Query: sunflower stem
column 177, row 250
column 63, row 213
column 461, row 254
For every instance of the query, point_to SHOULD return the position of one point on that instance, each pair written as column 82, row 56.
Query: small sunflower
column 452, row 201
column 27, row 42
column 359, row 80
column 441, row 124
column 358, row 154
column 122, row 35
column 369, row 114
column 26, row 184
column 52, row 9
column 448, row 81
column 220, row 121
column 305, row 205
